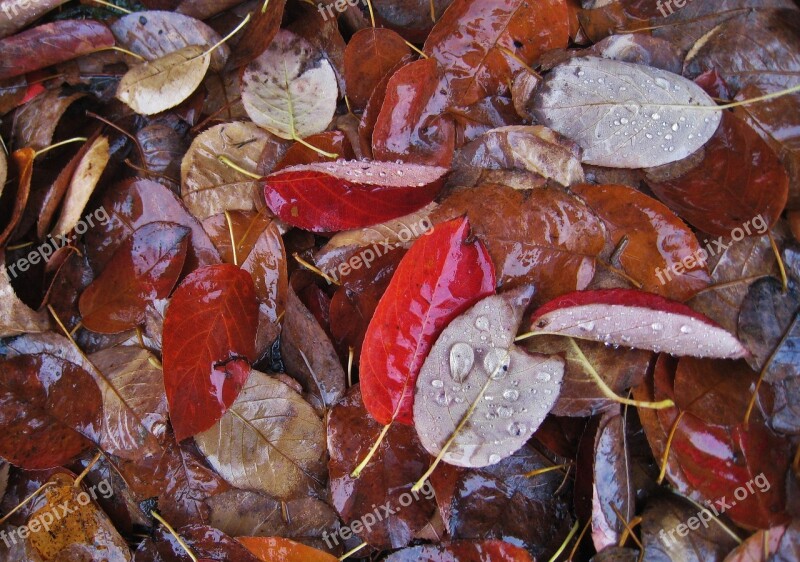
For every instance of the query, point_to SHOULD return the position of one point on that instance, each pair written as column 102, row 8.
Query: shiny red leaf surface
column 444, row 273
column 208, row 344
column 345, row 195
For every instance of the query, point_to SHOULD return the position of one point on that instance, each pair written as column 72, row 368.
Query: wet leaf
column 399, row 461
column 740, row 185
column 154, row 86
column 206, row 543
column 442, row 275
column 35, row 123
column 463, row 551
column 17, row 14
column 258, row 34
column 155, row 34
column 278, row 549
column 269, row 440
column 50, row 409
column 51, row 43
column 350, row 195
column 478, row 396
column 146, row 267
column 657, row 241
column 209, row 343
column 600, row 104
column 23, row 158
column 86, row 534
column 290, row 89
column 636, row 319
column 309, row 355
column 370, row 54
column 209, row 186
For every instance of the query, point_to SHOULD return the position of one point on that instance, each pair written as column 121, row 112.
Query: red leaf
column 48, row 409
column 209, row 343
column 345, row 195
column 50, row 44
column 739, row 179
column 146, row 267
column 329, row 141
column 369, row 55
column 443, row 274
column 636, row 319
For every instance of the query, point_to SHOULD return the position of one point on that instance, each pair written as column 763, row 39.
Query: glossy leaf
column 278, row 549
column 474, row 372
column 258, row 34
column 345, row 195
column 636, row 319
column 739, row 184
column 269, row 440
column 463, row 551
column 441, row 276
column 209, row 343
column 601, row 105
column 146, row 267
column 50, row 409
column 370, row 54
column 23, row 158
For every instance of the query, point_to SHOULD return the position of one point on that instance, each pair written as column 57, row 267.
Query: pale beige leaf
column 35, row 123
column 15, row 316
column 290, row 89
column 3, row 170
column 270, row 440
column 208, row 186
column 82, row 185
column 155, row 86
column 154, row 34
column 131, row 387
column 475, row 362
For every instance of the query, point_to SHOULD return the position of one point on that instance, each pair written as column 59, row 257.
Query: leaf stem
column 578, row 540
column 351, row 552
column 229, row 35
column 26, row 500
column 316, row 270
column 371, row 13
column 319, row 151
column 414, row 48
column 608, row 392
column 233, row 238
column 421, row 482
column 350, row 355
column 566, row 542
column 781, row 266
column 667, row 447
column 230, row 163
column 86, row 470
column 546, row 469
column 59, row 144
column 363, row 464
column 180, row 540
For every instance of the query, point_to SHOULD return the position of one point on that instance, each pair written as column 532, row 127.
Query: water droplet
column 626, row 339
column 657, row 326
column 442, row 398
column 436, row 383
column 581, row 73
column 544, row 377
column 382, row 174
column 686, row 330
column 662, row 83
column 675, row 127
column 482, row 323
column 516, row 428
column 667, row 137
column 656, row 116
column 586, row 326
column 493, row 366
column 505, row 412
column 511, row 394
column 624, row 121
column 494, row 458
column 462, row 357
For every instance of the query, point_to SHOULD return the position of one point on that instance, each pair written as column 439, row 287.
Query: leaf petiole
column 178, row 538
column 231, row 164
column 363, row 464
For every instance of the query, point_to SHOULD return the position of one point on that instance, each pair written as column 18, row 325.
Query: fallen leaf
column 464, row 551
column 16, row 317
column 50, row 408
column 278, row 549
column 350, row 195
column 478, row 397
column 269, row 440
column 23, row 159
column 51, row 43
column 208, row 345
column 290, row 89
column 258, row 34
column 636, row 319
column 17, row 14
column 369, row 55
column 442, row 275
column 600, row 104
column 154, row 86
column 35, row 122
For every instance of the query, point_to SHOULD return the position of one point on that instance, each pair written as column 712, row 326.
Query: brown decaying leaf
column 17, row 14
column 35, row 123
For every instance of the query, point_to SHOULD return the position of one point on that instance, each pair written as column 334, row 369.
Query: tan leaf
column 82, row 185
column 3, row 170
column 270, row 440
column 15, row 316
column 155, row 86
column 35, row 123
column 290, row 89
column 85, row 534
column 208, row 186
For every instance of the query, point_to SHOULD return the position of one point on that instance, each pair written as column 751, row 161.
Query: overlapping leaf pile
column 447, row 280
